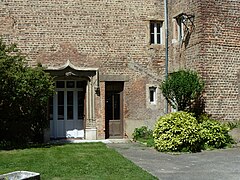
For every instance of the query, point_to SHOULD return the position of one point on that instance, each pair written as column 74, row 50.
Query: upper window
column 178, row 28
column 156, row 32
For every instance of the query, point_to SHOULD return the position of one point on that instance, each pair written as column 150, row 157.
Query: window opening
column 80, row 100
column 80, row 84
column 70, row 84
column 60, row 84
column 60, row 95
column 152, row 95
column 185, row 26
column 156, row 32
column 69, row 105
column 180, row 28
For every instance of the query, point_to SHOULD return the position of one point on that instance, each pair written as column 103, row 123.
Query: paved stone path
column 223, row 164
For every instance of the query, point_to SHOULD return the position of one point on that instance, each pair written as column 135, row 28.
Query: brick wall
column 214, row 51
column 112, row 35
column 221, row 48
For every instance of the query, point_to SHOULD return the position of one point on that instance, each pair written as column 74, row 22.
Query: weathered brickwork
column 114, row 36
column 214, row 51
column 221, row 43
column 108, row 34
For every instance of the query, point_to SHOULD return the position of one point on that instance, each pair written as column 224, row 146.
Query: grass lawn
column 72, row 161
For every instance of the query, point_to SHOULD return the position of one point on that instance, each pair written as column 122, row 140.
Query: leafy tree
column 23, row 99
column 183, row 90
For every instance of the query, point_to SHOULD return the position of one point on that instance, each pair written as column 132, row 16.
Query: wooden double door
column 114, row 110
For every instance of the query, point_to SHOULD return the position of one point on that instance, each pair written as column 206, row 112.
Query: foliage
column 23, row 99
column 183, row 91
column 144, row 135
column 214, row 134
column 149, row 142
column 234, row 124
column 176, row 132
column 142, row 132
column 180, row 131
column 72, row 161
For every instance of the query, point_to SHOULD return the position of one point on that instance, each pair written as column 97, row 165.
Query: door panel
column 66, row 110
column 75, row 109
column 60, row 114
column 60, row 102
column 115, row 128
column 60, row 129
column 116, row 106
column 70, row 105
column 80, row 105
column 113, row 110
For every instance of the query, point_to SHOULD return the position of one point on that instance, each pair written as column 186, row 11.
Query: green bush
column 214, row 134
column 234, row 124
column 177, row 131
column 180, row 131
column 23, row 99
column 142, row 132
column 183, row 91
column 144, row 135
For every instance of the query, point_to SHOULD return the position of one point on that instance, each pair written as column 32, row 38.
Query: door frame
column 114, row 87
column 90, row 75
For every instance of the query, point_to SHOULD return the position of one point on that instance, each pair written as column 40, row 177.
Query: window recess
column 183, row 26
column 156, row 32
column 152, row 95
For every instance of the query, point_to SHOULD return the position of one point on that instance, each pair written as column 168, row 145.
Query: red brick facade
column 114, row 36
column 214, row 51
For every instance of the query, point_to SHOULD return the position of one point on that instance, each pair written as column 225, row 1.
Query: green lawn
column 72, row 161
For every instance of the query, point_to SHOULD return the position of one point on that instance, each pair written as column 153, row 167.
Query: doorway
column 66, row 109
column 114, row 110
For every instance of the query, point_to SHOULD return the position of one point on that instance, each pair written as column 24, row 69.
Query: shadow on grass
column 30, row 145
